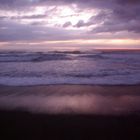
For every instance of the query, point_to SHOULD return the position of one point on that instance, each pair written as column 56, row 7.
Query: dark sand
column 24, row 125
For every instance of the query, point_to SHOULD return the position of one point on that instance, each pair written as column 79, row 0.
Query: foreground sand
column 19, row 124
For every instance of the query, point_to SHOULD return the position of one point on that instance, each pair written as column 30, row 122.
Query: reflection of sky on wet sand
column 72, row 104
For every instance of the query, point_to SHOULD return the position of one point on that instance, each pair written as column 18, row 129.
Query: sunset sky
column 70, row 23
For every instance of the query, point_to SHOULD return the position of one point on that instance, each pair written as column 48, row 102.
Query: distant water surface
column 70, row 67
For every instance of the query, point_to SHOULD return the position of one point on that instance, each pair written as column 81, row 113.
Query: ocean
column 24, row 74
column 96, row 67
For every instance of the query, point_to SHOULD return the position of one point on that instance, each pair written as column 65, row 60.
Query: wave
column 31, row 57
column 40, row 68
column 39, row 56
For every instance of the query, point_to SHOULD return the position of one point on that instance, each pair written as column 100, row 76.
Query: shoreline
column 72, row 99
column 93, row 85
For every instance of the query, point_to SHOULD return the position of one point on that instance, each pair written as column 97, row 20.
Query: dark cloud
column 13, row 4
column 38, row 16
column 110, row 27
column 67, row 24
column 99, row 18
column 89, row 3
column 133, row 2
column 121, row 19
column 80, row 23
column 6, row 2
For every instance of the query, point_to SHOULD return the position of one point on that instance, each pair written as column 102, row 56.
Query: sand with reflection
column 72, row 99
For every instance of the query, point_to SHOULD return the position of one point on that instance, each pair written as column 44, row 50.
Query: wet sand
column 21, row 122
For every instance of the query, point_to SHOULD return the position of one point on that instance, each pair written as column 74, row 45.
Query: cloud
column 13, row 31
column 80, row 23
column 89, row 3
column 121, row 19
column 67, row 24
column 96, row 19
column 114, row 19
column 38, row 16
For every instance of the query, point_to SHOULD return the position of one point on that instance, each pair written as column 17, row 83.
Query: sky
column 69, row 23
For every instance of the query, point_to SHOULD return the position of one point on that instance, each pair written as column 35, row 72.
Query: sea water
column 70, row 67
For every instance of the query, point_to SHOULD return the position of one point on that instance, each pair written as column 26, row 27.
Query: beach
column 70, row 95
column 53, row 115
column 69, row 70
